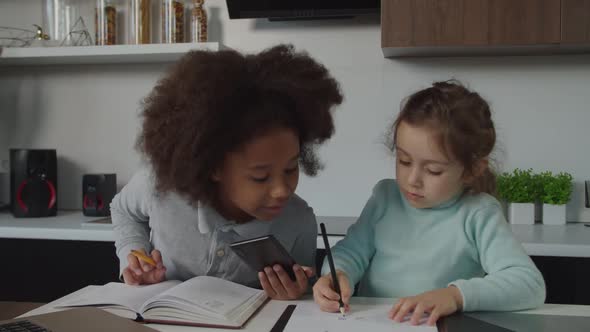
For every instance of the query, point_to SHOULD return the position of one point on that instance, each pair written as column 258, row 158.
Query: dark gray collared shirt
column 195, row 240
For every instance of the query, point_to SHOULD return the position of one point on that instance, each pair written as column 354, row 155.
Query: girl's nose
column 415, row 177
column 280, row 190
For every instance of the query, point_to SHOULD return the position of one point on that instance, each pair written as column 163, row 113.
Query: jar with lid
column 139, row 21
column 173, row 21
column 106, row 22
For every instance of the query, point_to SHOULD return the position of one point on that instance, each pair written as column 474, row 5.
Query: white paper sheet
column 362, row 317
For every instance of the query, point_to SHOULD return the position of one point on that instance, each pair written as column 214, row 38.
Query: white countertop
column 67, row 225
column 570, row 240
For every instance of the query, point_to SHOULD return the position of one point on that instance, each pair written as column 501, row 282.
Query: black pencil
column 332, row 268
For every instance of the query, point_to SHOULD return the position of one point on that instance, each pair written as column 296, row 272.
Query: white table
column 265, row 319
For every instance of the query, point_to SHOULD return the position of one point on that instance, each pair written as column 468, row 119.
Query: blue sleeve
column 512, row 280
column 353, row 254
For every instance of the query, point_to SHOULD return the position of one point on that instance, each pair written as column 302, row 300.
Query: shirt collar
column 209, row 219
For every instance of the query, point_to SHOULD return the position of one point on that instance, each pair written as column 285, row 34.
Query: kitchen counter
column 570, row 240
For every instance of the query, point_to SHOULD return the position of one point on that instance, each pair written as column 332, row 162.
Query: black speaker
column 33, row 183
column 98, row 191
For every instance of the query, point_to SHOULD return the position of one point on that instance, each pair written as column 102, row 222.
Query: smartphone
column 264, row 251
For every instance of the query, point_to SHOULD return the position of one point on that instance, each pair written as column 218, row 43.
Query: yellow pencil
column 141, row 256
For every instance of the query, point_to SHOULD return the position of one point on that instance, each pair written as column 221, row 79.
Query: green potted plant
column 519, row 189
column 556, row 193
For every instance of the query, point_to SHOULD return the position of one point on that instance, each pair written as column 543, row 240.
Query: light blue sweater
column 396, row 250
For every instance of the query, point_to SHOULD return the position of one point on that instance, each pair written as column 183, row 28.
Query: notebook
column 200, row 301
column 74, row 320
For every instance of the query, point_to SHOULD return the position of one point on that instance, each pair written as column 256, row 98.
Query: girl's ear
column 478, row 169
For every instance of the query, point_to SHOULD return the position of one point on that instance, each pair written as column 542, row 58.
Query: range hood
column 301, row 9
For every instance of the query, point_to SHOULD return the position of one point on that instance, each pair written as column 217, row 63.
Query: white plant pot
column 522, row 213
column 553, row 214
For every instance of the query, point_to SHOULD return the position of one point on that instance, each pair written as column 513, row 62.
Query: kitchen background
column 89, row 113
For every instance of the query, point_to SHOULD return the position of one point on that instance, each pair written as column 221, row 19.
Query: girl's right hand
column 139, row 272
column 325, row 295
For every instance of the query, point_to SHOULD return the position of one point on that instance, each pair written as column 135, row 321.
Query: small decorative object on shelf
column 172, row 21
column 106, row 22
column 17, row 37
column 139, row 22
column 198, row 22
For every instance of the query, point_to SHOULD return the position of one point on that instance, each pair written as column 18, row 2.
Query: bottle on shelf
column 139, row 22
column 106, row 22
column 198, row 27
column 172, row 21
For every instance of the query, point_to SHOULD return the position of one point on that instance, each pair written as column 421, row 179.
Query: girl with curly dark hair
column 224, row 135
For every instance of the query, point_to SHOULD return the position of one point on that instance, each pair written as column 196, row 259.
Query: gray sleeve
column 304, row 249
column 130, row 215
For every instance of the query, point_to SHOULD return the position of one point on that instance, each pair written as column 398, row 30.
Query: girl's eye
column 435, row 173
column 291, row 170
column 259, row 180
column 404, row 162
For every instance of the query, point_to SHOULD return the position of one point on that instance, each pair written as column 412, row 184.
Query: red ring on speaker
column 52, row 193
column 19, row 196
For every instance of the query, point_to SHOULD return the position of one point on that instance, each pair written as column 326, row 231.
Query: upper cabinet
column 466, row 27
column 575, row 21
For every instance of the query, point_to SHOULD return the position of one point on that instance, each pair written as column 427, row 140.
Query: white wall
column 89, row 113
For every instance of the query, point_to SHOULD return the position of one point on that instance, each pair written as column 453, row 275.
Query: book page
column 362, row 317
column 210, row 296
column 116, row 294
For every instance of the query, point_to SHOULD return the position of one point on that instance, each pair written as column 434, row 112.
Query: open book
column 200, row 301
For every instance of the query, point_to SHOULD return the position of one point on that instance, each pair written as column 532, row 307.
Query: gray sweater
column 194, row 240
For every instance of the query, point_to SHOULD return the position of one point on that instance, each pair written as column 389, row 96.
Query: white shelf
column 148, row 53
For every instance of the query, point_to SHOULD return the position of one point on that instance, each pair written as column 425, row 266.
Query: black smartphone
column 264, row 251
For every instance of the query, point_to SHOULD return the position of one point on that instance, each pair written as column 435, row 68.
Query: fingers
column 266, row 286
column 325, row 296
column 129, row 277
column 309, row 272
column 395, row 309
column 133, row 264
column 276, row 283
column 406, row 306
column 418, row 313
column 139, row 272
column 301, row 276
column 434, row 316
column 157, row 256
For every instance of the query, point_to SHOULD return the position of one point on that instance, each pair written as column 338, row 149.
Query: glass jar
column 139, row 25
column 198, row 25
column 106, row 22
column 173, row 21
column 59, row 17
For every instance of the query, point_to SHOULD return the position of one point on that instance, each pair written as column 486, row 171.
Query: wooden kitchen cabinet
column 575, row 21
column 447, row 27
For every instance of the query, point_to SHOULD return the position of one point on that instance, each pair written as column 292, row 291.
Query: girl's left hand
column 278, row 285
column 439, row 303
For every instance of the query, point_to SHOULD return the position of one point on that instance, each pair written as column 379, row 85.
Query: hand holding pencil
column 335, row 289
column 143, row 269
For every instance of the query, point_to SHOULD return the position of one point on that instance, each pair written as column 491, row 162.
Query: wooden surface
column 12, row 309
column 575, row 21
column 423, row 23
